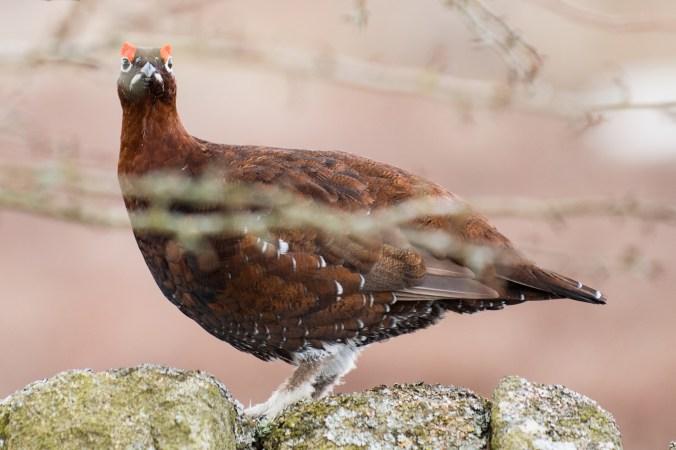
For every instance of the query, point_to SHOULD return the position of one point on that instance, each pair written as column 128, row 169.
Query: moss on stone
column 400, row 416
column 4, row 422
column 143, row 407
column 152, row 407
column 532, row 416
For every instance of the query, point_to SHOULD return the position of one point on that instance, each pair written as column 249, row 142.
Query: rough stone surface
column 401, row 416
column 146, row 407
column 529, row 416
column 150, row 407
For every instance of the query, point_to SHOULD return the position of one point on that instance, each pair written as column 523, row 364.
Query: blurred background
column 504, row 103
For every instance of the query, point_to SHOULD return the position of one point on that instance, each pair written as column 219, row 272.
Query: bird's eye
column 125, row 65
column 169, row 64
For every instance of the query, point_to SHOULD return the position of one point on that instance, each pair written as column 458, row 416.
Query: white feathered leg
column 317, row 373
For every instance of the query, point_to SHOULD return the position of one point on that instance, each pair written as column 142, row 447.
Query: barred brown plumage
column 301, row 294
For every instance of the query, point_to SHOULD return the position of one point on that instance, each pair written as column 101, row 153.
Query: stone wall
column 151, row 407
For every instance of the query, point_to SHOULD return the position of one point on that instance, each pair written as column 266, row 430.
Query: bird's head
column 146, row 74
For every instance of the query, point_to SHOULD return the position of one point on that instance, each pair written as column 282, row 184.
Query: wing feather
column 434, row 287
column 550, row 282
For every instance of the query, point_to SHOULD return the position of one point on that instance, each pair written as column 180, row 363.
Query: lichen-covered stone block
column 529, row 416
column 414, row 416
column 147, row 407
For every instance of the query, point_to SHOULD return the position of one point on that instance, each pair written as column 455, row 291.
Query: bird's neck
column 153, row 138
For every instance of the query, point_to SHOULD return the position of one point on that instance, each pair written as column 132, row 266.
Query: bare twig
column 360, row 14
column 465, row 94
column 636, row 24
column 86, row 199
column 523, row 59
column 633, row 105
column 77, row 195
column 39, row 206
column 189, row 7
column 69, row 26
column 570, row 208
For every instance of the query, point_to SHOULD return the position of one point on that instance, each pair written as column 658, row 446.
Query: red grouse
column 301, row 294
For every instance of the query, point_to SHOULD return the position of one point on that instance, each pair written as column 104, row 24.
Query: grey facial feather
column 134, row 80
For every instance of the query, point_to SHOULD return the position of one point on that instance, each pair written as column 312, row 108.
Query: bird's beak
column 152, row 78
column 148, row 70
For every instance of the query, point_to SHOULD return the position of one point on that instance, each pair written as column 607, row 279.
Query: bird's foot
column 282, row 398
column 314, row 378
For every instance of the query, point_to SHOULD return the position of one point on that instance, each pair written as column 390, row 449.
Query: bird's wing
column 389, row 262
column 293, row 287
column 414, row 275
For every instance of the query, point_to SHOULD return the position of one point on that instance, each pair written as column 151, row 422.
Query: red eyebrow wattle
column 128, row 50
column 165, row 51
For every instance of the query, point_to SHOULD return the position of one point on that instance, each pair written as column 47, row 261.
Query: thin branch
column 632, row 105
column 241, row 210
column 523, row 59
column 76, row 196
column 465, row 94
column 559, row 209
column 360, row 14
column 644, row 23
column 189, row 7
column 38, row 206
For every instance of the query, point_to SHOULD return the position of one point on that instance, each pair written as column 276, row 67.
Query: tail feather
column 557, row 286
